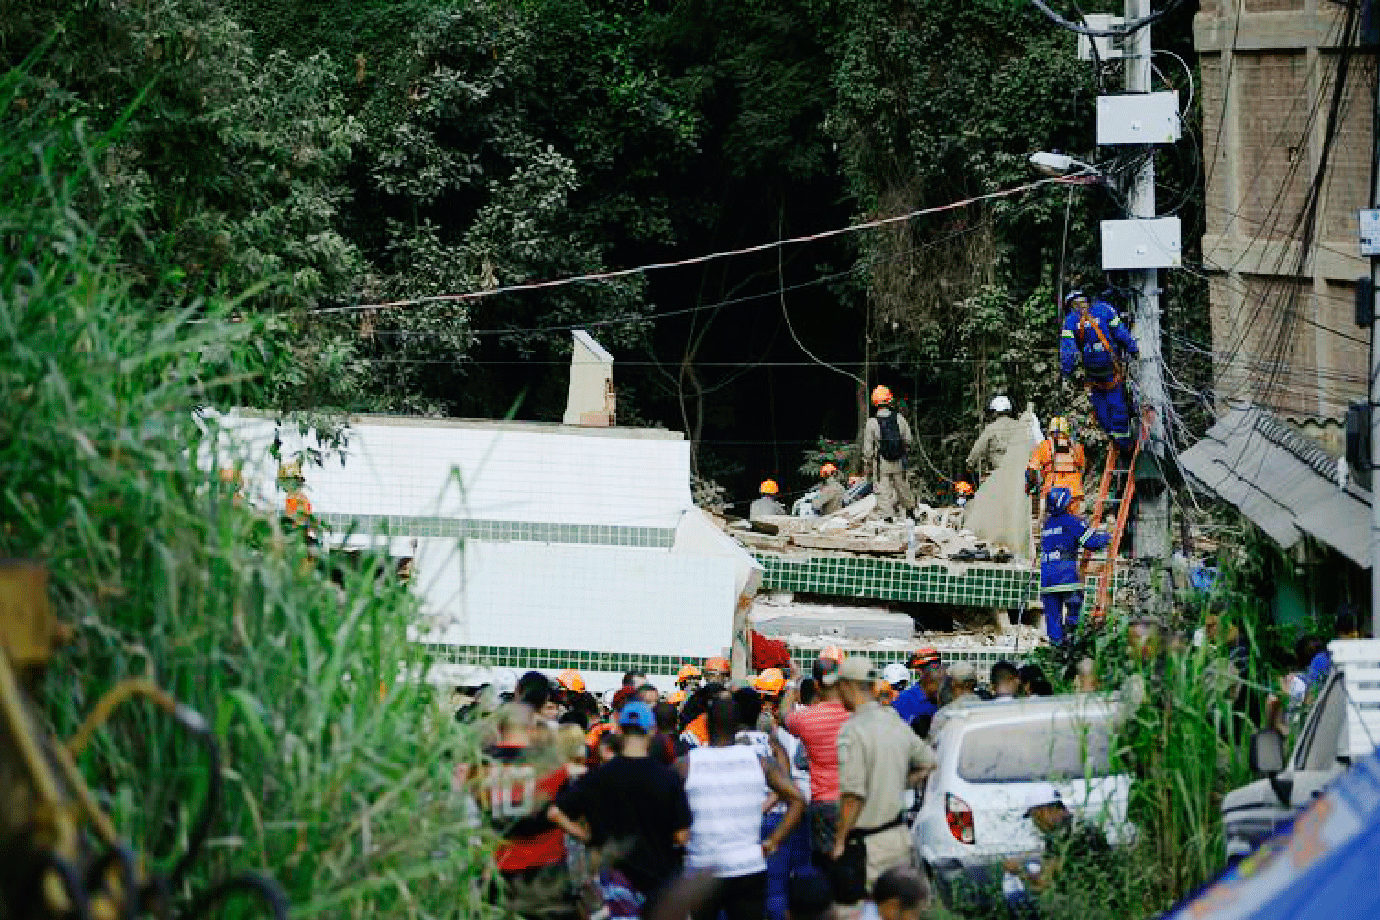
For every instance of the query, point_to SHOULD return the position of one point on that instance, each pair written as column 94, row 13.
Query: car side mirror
column 1267, row 753
column 1267, row 757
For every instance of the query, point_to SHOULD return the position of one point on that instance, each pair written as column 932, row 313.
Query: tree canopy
column 314, row 159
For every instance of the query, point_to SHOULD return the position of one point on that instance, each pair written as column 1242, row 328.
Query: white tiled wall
column 513, row 474
column 600, row 598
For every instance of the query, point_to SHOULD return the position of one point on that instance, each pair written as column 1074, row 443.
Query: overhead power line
column 695, row 260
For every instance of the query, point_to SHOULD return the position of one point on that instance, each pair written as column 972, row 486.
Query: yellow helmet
column 1060, row 424
column 769, row 487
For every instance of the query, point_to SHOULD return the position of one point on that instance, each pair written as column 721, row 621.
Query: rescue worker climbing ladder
column 1094, row 334
column 1058, row 460
column 1062, row 541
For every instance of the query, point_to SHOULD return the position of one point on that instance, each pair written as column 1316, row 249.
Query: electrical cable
column 694, row 260
column 1188, row 72
column 781, row 293
column 1120, row 31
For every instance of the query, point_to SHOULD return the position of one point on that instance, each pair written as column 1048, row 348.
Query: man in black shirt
column 634, row 806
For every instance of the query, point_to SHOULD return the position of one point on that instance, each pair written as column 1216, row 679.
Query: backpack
column 892, row 447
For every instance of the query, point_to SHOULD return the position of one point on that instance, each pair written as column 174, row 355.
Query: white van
column 994, row 759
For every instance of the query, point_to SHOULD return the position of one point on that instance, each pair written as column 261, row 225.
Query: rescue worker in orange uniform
column 1057, row 462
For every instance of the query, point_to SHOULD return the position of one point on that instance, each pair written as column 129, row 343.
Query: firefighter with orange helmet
column 716, row 670
column 688, row 679
column 770, row 683
column 886, row 444
column 829, row 494
column 766, row 504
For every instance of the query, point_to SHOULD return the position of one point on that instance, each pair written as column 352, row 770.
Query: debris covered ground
column 937, row 533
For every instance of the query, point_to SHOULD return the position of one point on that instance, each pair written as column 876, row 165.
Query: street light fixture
column 1061, row 165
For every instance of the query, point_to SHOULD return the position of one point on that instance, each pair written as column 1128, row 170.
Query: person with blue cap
column 1063, row 539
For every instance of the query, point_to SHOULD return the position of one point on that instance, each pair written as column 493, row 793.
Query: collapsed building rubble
column 936, row 533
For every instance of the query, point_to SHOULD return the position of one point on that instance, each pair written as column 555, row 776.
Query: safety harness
column 1118, row 370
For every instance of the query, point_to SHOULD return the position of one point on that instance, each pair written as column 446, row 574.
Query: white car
column 995, row 759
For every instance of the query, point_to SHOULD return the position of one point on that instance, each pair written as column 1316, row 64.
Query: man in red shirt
column 817, row 726
column 515, row 785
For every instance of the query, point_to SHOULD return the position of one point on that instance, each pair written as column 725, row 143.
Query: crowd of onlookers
column 783, row 795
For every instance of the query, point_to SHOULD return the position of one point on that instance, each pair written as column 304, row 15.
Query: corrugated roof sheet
column 1282, row 481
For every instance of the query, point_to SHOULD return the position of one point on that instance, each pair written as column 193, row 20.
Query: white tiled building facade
column 534, row 545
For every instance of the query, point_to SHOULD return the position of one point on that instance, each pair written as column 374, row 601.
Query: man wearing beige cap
column 963, row 682
column 879, row 758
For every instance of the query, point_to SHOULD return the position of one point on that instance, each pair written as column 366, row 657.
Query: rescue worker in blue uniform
column 1062, row 541
column 1095, row 335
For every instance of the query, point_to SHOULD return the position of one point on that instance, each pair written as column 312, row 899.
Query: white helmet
column 999, row 404
column 895, row 673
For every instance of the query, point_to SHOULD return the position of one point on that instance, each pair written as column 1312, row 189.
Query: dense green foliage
column 335, row 770
column 328, row 155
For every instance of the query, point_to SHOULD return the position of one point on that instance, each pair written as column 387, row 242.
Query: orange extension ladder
column 1121, row 500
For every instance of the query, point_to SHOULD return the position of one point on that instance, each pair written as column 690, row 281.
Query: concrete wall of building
column 1282, row 326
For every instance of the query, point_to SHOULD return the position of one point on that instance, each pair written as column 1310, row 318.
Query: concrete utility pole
column 1370, row 389
column 1152, row 511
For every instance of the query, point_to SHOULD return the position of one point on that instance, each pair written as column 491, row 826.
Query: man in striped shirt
column 727, row 786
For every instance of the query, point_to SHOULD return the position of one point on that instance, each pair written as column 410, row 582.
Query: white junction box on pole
column 1138, row 118
column 1145, row 243
column 1108, row 46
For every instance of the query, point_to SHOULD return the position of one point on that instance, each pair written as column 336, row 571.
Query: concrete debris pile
column 936, row 533
column 875, row 630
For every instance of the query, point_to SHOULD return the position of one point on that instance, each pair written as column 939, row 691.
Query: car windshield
column 1026, row 752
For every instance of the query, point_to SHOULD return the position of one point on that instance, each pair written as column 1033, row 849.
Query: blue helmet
column 1057, row 502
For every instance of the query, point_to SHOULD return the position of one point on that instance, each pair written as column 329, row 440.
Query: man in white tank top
column 727, row 785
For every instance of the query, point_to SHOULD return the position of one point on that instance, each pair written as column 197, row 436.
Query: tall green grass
column 1188, row 714
column 336, row 770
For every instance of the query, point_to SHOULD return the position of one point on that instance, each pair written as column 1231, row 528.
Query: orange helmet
column 881, row 395
column 831, row 652
column 963, row 487
column 571, row 680
column 676, row 698
column 924, row 658
column 828, row 470
column 686, row 672
column 770, row 682
column 718, row 664
column 769, row 487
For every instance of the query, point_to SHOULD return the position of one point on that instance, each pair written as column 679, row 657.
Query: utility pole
column 1152, row 504
column 1370, row 386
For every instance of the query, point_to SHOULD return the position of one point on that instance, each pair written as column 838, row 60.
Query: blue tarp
column 1322, row 866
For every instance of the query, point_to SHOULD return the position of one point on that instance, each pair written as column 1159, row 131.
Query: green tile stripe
column 478, row 529
column 526, row 659
column 967, row 585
